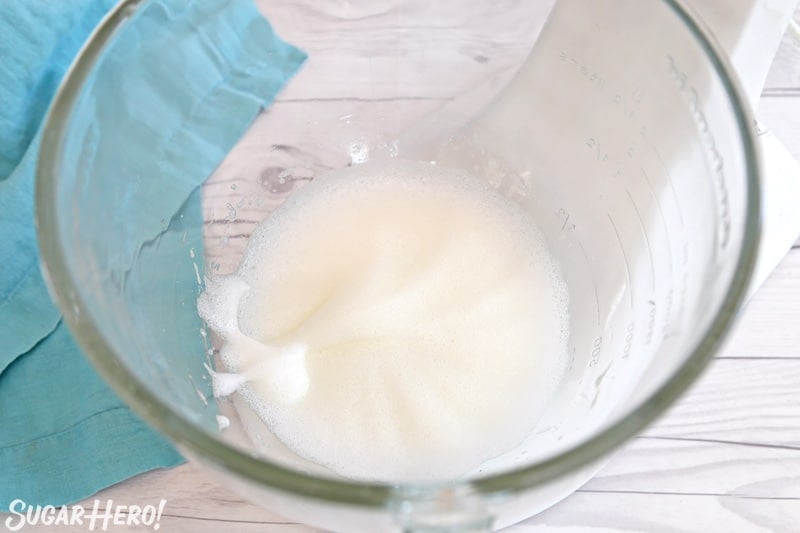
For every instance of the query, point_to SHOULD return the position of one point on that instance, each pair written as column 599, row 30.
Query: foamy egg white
column 395, row 321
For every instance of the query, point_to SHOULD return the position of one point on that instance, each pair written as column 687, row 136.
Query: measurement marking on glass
column 594, row 284
column 646, row 239
column 663, row 218
column 625, row 258
column 671, row 185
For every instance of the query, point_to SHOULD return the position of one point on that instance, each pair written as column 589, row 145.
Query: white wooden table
column 726, row 458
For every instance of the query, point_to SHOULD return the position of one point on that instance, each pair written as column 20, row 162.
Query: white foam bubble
column 395, row 321
column 224, row 384
column 223, row 422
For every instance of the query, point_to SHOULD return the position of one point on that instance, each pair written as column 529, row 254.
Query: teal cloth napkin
column 195, row 75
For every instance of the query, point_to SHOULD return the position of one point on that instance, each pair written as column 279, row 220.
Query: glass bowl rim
column 198, row 443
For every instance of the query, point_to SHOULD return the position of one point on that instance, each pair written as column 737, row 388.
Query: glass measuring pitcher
column 622, row 134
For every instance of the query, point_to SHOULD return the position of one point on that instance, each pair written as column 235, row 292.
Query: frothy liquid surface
column 396, row 322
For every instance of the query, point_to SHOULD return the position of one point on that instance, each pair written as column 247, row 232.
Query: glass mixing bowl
column 621, row 131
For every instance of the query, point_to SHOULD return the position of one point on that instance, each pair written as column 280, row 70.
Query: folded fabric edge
column 54, row 62
column 101, row 461
column 38, row 304
column 26, row 312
